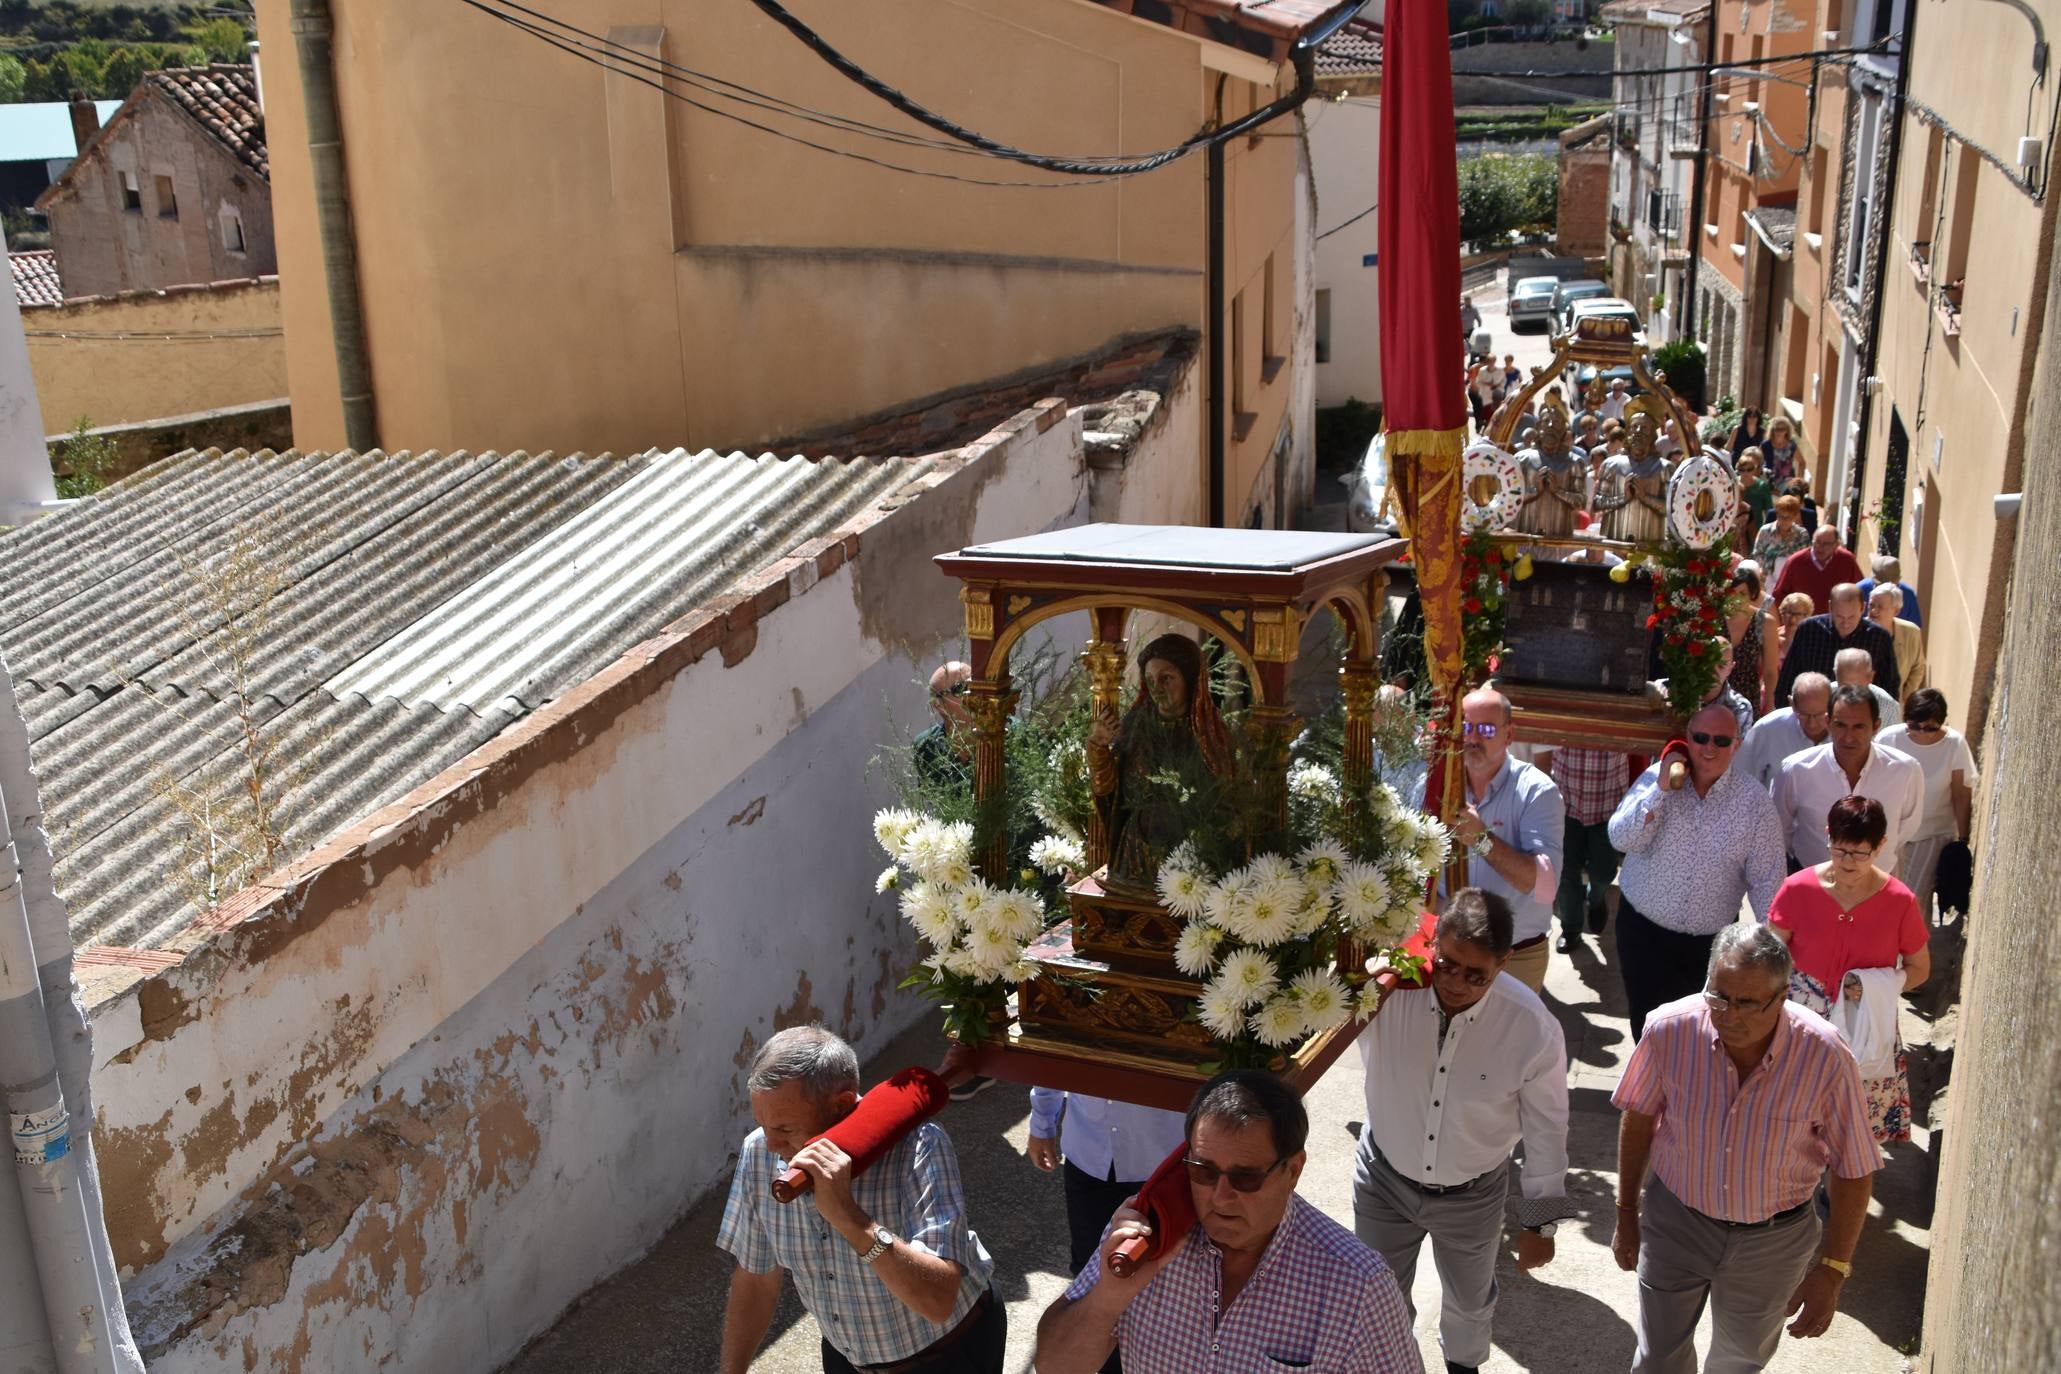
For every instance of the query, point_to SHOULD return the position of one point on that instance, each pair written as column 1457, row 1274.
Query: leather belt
column 1786, row 1214
column 1429, row 1189
column 942, row 1343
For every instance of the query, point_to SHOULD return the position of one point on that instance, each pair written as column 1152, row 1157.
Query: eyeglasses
column 1840, row 851
column 1812, row 715
column 957, row 689
column 1717, row 1001
column 1203, row 1174
column 1485, row 729
column 1719, row 741
column 1928, row 726
column 1453, row 968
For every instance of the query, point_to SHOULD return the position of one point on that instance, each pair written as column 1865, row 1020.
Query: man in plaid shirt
column 1592, row 782
column 1262, row 1281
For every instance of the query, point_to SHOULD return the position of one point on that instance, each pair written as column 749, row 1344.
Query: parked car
column 1367, row 489
column 1531, row 301
column 1566, row 294
column 1607, row 307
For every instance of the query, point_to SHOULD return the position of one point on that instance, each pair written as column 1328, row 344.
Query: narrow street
column 666, row 1312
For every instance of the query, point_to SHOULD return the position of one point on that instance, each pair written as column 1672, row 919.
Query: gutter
column 1304, row 57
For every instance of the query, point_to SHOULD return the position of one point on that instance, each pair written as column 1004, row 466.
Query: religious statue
column 1555, row 486
column 1632, row 488
column 1163, row 770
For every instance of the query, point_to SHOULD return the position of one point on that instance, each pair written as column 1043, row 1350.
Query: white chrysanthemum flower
column 972, row 900
column 958, row 840
column 1019, row 913
column 1324, row 1000
column 1271, row 911
column 1363, row 893
column 1369, row 1000
column 1222, row 1010
column 966, row 964
column 1055, row 855
column 1184, row 890
column 1383, row 802
column 1019, row 971
column 1271, row 868
column 890, row 878
column 1252, row 974
column 1229, row 907
column 1403, row 876
column 1313, row 782
column 892, row 825
column 1316, row 909
column 928, row 908
column 1277, row 1023
column 1399, row 832
column 1433, row 842
column 1324, row 859
column 993, row 944
column 921, row 848
column 1184, row 856
column 1392, row 926
column 1195, row 953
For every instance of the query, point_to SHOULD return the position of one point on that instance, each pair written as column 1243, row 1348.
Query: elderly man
column 1692, row 848
column 1884, row 603
column 1817, row 570
column 1741, row 1101
column 1815, row 644
column 885, row 1261
column 1721, row 692
column 1854, row 668
column 1804, row 723
column 1457, row 1073
column 1512, row 823
column 1262, row 1280
column 1853, row 764
column 1889, row 572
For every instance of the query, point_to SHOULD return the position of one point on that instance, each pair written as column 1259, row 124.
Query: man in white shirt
column 1804, row 723
column 1457, row 1073
column 1854, row 667
column 1853, row 764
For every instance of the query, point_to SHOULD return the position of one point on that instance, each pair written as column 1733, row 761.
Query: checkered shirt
column 1591, row 781
column 1318, row 1299
column 913, row 1190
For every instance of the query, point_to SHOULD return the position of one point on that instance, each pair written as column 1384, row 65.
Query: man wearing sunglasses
column 1692, row 850
column 1263, row 1280
column 1457, row 1073
column 1740, row 1100
column 943, row 754
column 1513, row 823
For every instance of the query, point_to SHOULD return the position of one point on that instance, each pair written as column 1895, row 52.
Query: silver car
column 1531, row 302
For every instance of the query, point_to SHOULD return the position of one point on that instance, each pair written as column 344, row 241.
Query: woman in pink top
column 1846, row 914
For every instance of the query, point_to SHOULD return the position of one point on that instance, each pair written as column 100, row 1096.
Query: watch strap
column 883, row 1241
column 1844, row 1268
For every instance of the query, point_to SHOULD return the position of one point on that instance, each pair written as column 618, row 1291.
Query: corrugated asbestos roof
column 392, row 613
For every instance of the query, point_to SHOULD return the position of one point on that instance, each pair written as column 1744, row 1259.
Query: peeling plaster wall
column 409, row 1129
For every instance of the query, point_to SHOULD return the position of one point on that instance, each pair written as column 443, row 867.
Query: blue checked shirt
column 1317, row 1300
column 1108, row 1141
column 914, row 1191
column 1523, row 808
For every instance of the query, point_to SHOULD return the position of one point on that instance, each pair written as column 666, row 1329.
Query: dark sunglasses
column 1472, row 977
column 957, row 689
column 1928, row 726
column 1721, row 741
column 1485, row 729
column 1205, row 1175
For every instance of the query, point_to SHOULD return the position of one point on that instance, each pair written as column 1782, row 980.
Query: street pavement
column 665, row 1312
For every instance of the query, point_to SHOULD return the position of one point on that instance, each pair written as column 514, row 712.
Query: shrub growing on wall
column 1682, row 360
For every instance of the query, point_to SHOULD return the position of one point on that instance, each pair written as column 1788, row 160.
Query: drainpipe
column 1695, row 225
column 1871, row 352
column 27, row 488
column 1217, row 390
column 55, row 1242
column 313, row 44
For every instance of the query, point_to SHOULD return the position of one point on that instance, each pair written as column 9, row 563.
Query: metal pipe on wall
column 314, row 45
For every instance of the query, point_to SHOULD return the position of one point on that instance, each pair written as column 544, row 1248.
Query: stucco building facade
column 1653, row 167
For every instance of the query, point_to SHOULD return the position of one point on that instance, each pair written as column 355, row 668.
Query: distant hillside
column 55, row 49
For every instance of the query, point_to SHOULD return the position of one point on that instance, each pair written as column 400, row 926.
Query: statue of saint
column 1160, row 772
column 1555, row 486
column 1632, row 487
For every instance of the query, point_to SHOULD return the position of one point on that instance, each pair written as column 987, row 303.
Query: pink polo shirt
column 1745, row 1153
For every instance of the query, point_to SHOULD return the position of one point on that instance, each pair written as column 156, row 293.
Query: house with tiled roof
column 174, row 188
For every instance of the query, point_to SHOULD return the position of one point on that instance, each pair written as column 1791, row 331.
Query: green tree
column 124, row 73
column 14, row 79
column 1501, row 195
column 223, row 39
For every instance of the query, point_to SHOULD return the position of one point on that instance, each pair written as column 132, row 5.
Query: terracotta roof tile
column 1266, row 27
column 1354, row 50
column 224, row 99
column 35, row 278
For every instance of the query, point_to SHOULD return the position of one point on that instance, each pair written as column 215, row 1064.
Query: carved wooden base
column 1123, row 930
column 1090, row 1003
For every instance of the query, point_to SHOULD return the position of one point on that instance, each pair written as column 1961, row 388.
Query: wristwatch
column 1482, row 844
column 883, row 1241
column 1549, row 1230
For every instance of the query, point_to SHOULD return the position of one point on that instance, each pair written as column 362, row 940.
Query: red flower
column 1472, row 605
column 1698, row 648
column 1494, row 557
column 1652, row 621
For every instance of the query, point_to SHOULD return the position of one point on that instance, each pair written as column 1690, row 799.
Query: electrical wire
column 1349, row 223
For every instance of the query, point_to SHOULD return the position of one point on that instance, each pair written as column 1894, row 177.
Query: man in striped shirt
column 1741, row 1100
column 1262, row 1280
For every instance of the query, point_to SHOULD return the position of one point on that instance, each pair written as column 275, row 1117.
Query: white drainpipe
column 27, row 489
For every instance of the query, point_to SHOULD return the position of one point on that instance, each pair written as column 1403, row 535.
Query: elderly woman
column 1756, row 650
column 1780, row 537
column 1794, row 610
column 1846, row 915
column 1784, row 465
column 1950, row 777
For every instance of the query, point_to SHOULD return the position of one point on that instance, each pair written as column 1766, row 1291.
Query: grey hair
column 816, row 1058
column 1753, row 944
column 1886, row 568
column 1807, row 682
column 1885, row 591
column 1852, row 658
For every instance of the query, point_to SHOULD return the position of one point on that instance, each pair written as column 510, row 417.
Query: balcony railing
column 1921, row 262
column 1946, row 304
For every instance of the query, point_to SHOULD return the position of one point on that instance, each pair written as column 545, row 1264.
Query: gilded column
column 1357, row 684
column 991, row 704
column 1103, row 661
column 1272, row 729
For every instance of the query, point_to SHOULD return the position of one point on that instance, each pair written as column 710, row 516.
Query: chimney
column 85, row 121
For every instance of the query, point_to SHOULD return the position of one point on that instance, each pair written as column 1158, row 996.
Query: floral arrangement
column 1266, row 934
column 977, row 932
column 1484, row 583
column 1691, row 599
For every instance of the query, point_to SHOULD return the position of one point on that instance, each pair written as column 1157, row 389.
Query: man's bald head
column 947, row 693
column 1810, row 697
column 1845, row 605
column 1824, row 540
column 1854, row 667
column 1485, row 716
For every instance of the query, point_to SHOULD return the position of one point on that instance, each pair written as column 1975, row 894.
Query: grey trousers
column 1747, row 1277
column 1466, row 1228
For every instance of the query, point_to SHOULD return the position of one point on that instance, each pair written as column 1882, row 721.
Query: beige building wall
column 1961, row 398
column 121, row 359
column 559, row 257
column 1345, row 143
